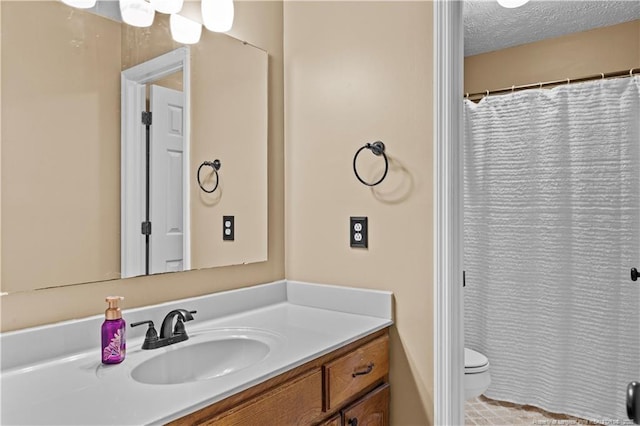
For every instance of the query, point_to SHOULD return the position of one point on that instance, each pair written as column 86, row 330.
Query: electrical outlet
column 358, row 231
column 228, row 228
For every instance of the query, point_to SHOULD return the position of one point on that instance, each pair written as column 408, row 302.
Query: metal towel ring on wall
column 378, row 149
column 215, row 165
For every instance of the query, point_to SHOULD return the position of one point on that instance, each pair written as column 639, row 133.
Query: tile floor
column 485, row 411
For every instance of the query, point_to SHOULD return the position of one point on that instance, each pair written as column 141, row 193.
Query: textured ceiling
column 489, row 26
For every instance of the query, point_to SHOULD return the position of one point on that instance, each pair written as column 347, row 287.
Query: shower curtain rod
column 615, row 74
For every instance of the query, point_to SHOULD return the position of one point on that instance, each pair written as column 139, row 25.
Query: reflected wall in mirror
column 61, row 135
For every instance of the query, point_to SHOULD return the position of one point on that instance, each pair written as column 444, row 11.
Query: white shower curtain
column 552, row 228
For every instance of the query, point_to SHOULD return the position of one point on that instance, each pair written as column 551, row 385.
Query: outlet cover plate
column 358, row 231
column 228, row 228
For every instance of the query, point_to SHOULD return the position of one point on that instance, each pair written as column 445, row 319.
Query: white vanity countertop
column 309, row 320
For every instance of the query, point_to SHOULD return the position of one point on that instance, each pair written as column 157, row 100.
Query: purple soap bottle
column 114, row 344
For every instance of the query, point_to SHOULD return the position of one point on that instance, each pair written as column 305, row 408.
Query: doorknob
column 634, row 274
column 633, row 402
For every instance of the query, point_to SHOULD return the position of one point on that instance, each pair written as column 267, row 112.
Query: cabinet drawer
column 355, row 371
column 372, row 410
column 298, row 402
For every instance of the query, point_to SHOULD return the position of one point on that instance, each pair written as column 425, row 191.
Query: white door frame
column 132, row 156
column 448, row 215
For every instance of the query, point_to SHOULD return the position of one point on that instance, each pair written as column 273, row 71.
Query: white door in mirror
column 166, row 186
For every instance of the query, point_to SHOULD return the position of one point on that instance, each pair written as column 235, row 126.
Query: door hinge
column 146, row 118
column 146, row 228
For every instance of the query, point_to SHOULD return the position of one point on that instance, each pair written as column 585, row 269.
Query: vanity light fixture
column 80, row 4
column 184, row 30
column 512, row 4
column 167, row 6
column 137, row 13
column 217, row 15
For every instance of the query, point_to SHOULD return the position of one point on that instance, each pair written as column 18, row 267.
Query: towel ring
column 215, row 165
column 378, row 149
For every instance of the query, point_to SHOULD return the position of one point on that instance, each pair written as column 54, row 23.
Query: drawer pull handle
column 353, row 422
column 362, row 373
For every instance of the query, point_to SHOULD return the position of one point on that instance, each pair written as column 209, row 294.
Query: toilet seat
column 475, row 362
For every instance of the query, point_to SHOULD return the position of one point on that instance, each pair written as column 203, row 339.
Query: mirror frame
column 132, row 156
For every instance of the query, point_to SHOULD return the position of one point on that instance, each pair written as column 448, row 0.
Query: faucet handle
column 151, row 337
column 151, row 326
column 190, row 316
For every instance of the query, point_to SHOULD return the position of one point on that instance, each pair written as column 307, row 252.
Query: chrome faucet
column 169, row 334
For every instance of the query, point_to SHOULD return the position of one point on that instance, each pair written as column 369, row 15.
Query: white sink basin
column 205, row 356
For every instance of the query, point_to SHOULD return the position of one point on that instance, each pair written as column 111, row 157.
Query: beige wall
column 259, row 23
column 56, row 116
column 357, row 72
column 229, row 122
column 601, row 50
column 142, row 44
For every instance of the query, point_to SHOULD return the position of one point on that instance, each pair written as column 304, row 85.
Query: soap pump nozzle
column 113, row 312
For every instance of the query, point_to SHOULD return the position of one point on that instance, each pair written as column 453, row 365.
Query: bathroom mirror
column 61, row 144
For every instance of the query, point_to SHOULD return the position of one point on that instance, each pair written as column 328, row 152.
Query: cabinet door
column 333, row 421
column 371, row 410
column 298, row 402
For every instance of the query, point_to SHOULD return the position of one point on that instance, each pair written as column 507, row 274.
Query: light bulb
column 184, row 30
column 217, row 15
column 138, row 13
column 167, row 6
column 511, row 4
column 80, row 4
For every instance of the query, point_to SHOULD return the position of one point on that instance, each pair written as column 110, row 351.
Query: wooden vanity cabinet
column 347, row 387
column 333, row 421
column 371, row 410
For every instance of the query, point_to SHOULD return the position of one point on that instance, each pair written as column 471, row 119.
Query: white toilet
column 476, row 374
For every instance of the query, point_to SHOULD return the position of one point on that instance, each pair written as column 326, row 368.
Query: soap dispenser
column 113, row 333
